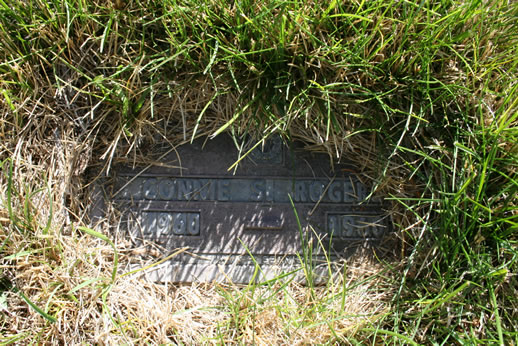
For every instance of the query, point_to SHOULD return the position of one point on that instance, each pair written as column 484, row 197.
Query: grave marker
column 194, row 201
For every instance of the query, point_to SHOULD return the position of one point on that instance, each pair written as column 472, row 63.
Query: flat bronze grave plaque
column 225, row 217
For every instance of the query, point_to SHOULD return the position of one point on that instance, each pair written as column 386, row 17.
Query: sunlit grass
column 422, row 96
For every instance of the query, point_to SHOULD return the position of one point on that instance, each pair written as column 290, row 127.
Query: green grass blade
column 45, row 315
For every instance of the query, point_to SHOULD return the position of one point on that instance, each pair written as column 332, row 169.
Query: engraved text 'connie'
column 243, row 190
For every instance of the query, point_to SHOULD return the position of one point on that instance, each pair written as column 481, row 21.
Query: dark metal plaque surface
column 192, row 200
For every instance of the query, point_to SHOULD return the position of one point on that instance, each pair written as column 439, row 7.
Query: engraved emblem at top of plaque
column 270, row 153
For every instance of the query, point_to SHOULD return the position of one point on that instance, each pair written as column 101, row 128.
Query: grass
column 422, row 96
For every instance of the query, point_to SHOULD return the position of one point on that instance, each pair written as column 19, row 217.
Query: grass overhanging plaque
column 260, row 219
